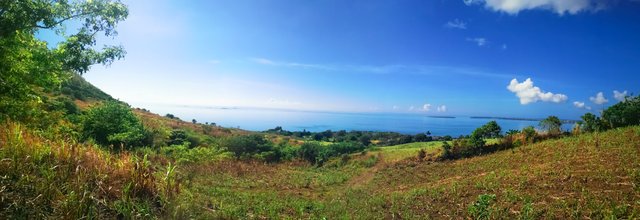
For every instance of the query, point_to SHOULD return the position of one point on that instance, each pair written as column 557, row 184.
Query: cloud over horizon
column 426, row 107
column 527, row 93
column 599, row 99
column 442, row 108
column 620, row 96
column 581, row 105
column 560, row 7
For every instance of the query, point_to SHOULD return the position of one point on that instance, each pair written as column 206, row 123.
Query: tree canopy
column 551, row 124
column 28, row 63
column 624, row 113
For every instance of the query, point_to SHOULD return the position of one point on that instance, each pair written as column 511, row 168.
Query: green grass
column 403, row 151
column 564, row 178
column 592, row 176
column 399, row 152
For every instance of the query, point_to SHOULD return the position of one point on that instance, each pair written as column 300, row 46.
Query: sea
column 255, row 119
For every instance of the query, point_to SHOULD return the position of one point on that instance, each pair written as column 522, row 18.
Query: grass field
column 588, row 176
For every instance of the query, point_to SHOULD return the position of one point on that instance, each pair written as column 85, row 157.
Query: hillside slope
column 587, row 176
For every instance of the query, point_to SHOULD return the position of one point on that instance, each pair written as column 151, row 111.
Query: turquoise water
column 263, row 119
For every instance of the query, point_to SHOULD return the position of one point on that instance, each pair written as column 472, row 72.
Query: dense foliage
column 28, row 64
column 624, row 113
column 114, row 124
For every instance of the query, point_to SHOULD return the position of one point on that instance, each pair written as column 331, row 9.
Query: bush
column 185, row 154
column 530, row 134
column 421, row 155
column 180, row 137
column 310, row 151
column 114, row 124
column 446, row 151
column 247, row 146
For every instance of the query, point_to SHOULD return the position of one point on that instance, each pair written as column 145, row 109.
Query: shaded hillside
column 78, row 88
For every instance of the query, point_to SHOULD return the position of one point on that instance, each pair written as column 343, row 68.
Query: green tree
column 623, row 113
column 552, row 125
column 491, row 130
column 113, row 123
column 591, row 123
column 476, row 139
column 27, row 63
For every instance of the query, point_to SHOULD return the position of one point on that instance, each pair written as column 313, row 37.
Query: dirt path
column 367, row 175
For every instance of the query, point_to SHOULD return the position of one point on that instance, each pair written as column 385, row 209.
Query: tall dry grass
column 60, row 178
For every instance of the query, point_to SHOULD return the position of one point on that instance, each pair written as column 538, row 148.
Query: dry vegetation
column 587, row 176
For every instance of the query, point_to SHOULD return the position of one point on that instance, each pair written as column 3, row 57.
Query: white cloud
column 442, row 108
column 620, row 96
column 581, row 105
column 456, row 24
column 599, row 99
column 527, row 93
column 395, row 107
column 578, row 104
column 426, row 107
column 558, row 6
column 411, row 108
column 480, row 41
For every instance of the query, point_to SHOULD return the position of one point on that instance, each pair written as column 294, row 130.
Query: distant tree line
column 365, row 137
column 622, row 114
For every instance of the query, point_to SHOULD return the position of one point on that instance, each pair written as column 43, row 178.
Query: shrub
column 114, row 124
column 247, row 146
column 530, row 134
column 180, row 137
column 476, row 140
column 310, row 151
column 480, row 209
column 421, row 155
column 446, row 151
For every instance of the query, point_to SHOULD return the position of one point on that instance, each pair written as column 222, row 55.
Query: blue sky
column 424, row 57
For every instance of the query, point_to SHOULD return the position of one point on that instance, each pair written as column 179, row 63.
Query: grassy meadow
column 71, row 151
column 592, row 176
